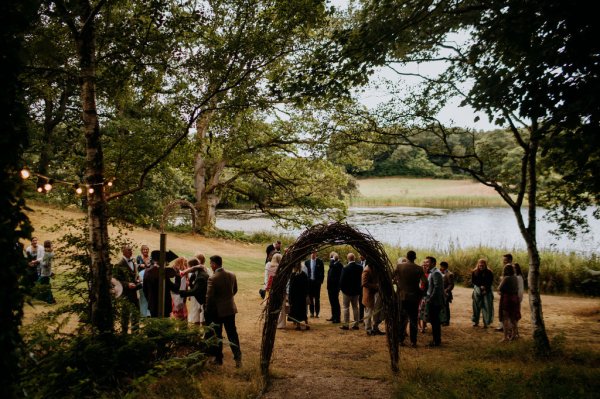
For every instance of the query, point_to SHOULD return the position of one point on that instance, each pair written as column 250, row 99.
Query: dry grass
column 328, row 362
column 404, row 191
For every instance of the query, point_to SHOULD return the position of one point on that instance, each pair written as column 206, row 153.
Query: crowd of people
column 205, row 296
column 424, row 292
column 190, row 294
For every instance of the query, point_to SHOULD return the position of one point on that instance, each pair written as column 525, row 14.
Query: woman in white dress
column 197, row 276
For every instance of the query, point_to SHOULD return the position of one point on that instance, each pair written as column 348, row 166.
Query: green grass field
column 438, row 193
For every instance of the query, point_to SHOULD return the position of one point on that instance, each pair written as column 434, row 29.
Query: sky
column 452, row 114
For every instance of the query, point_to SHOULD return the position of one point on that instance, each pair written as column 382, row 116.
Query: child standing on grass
column 45, row 292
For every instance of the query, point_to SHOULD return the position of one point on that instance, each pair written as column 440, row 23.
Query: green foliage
column 273, row 166
column 406, row 161
column 145, row 207
column 73, row 254
column 61, row 365
column 16, row 18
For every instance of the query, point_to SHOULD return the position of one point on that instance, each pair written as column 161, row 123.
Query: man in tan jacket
column 221, row 309
column 371, row 301
column 408, row 276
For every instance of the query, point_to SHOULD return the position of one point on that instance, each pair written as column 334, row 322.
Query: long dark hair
column 518, row 271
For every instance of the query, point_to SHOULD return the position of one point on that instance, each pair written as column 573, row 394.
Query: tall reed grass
column 559, row 272
column 450, row 202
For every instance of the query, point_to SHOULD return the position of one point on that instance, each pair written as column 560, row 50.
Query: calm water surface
column 434, row 228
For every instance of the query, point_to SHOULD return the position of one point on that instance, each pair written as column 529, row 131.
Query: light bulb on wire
column 25, row 173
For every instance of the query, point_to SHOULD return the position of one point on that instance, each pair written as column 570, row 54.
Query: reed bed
column 454, row 202
column 560, row 273
column 424, row 192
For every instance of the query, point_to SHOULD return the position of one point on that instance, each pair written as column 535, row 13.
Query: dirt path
column 330, row 363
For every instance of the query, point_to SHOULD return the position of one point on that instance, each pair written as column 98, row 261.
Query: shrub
column 60, row 365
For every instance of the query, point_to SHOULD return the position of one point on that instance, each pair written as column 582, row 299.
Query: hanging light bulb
column 91, row 190
column 48, row 185
column 25, row 173
column 109, row 184
column 78, row 189
column 40, row 189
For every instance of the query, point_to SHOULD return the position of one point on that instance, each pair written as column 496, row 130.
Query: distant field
column 403, row 191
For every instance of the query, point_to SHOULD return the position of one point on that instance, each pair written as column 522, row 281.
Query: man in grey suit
column 221, row 309
column 435, row 299
column 408, row 276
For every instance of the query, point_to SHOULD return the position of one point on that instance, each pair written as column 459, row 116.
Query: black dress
column 298, row 294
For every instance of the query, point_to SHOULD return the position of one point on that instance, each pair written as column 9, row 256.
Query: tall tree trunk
column 206, row 179
column 528, row 231
column 542, row 344
column 101, row 305
column 207, row 215
column 52, row 117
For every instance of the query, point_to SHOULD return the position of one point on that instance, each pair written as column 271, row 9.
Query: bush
column 60, row 365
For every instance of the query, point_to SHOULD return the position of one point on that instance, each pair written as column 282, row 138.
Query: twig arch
column 323, row 235
column 176, row 204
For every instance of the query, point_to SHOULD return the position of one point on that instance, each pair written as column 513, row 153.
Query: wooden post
column 161, row 274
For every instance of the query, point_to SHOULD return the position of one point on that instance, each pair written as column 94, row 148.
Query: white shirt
column 40, row 252
column 266, row 279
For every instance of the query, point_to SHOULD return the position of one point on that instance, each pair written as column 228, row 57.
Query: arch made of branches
column 326, row 235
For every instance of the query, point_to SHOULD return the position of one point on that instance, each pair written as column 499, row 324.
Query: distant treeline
column 405, row 161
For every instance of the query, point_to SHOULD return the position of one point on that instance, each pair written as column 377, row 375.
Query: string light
column 49, row 182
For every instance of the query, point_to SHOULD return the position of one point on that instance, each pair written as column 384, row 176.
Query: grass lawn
column 404, row 191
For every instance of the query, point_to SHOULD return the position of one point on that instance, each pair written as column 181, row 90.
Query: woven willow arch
column 325, row 235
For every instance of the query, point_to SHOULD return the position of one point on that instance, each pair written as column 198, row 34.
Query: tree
column 271, row 165
column 147, row 73
column 16, row 18
column 233, row 71
column 113, row 46
column 523, row 65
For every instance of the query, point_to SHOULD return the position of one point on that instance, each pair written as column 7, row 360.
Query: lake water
column 434, row 228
